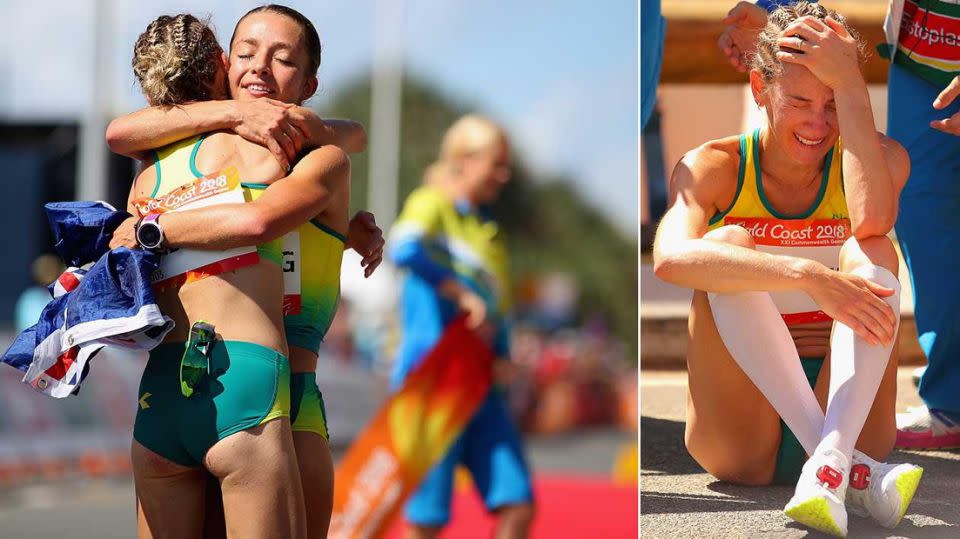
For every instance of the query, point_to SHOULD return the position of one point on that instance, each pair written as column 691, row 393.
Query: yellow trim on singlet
column 320, row 254
column 750, row 200
column 175, row 165
column 816, row 233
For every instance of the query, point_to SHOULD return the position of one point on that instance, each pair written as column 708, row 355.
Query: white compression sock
column 758, row 339
column 856, row 370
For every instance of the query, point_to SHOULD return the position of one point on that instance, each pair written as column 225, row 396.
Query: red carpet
column 567, row 506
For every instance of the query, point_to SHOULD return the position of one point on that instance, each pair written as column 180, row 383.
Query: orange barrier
column 92, row 464
column 409, row 433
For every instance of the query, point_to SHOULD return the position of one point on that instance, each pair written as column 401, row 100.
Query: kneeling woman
column 782, row 234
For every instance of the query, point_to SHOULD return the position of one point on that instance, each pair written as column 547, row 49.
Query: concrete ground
column 678, row 499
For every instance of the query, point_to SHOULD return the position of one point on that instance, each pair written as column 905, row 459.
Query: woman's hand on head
column 855, row 302
column 824, row 47
column 742, row 28
column 366, row 238
column 278, row 126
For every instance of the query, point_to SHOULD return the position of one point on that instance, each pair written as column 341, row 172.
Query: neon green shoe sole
column 907, row 486
column 815, row 513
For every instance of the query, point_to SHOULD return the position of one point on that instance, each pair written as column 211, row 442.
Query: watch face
column 148, row 235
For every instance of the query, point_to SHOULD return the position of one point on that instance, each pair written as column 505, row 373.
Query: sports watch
column 150, row 233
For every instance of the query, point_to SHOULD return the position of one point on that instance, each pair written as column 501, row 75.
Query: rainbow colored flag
column 410, row 433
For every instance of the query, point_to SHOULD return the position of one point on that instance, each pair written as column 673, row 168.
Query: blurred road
column 678, row 499
column 105, row 508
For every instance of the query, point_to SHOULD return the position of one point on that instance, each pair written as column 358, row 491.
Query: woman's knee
column 748, row 462
column 732, row 234
column 875, row 250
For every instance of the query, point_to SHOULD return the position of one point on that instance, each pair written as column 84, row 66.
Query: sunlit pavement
column 678, row 499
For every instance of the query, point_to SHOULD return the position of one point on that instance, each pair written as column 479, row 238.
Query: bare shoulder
column 216, row 152
column 223, row 149
column 323, row 158
column 703, row 183
column 710, row 171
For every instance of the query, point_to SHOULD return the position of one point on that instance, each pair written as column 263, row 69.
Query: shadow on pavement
column 662, row 449
column 934, row 511
column 859, row 528
column 667, row 503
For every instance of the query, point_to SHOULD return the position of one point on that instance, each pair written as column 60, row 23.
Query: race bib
column 181, row 266
column 291, row 273
column 813, row 239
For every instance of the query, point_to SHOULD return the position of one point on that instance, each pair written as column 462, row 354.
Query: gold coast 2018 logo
column 794, row 233
column 188, row 193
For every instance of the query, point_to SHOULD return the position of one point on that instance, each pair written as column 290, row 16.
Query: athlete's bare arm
column 288, row 203
column 363, row 234
column 703, row 182
column 874, row 167
column 283, row 128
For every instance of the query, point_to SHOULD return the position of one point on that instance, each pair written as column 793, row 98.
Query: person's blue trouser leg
column 652, row 31
column 928, row 229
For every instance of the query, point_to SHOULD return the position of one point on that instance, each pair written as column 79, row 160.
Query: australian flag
column 107, row 303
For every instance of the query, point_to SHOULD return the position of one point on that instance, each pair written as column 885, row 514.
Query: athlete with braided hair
column 168, row 458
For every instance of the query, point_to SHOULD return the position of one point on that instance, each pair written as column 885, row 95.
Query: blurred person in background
column 277, row 52
column 782, row 235
column 454, row 259
column 44, row 270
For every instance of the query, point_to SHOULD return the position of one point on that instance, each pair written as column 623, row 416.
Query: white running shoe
column 818, row 501
column 881, row 491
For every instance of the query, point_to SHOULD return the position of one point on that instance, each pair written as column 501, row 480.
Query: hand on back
column 366, row 238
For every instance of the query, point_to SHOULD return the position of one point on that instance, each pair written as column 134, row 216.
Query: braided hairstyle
column 765, row 59
column 176, row 60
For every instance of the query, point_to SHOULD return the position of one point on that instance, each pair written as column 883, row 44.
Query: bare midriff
column 243, row 305
column 812, row 340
